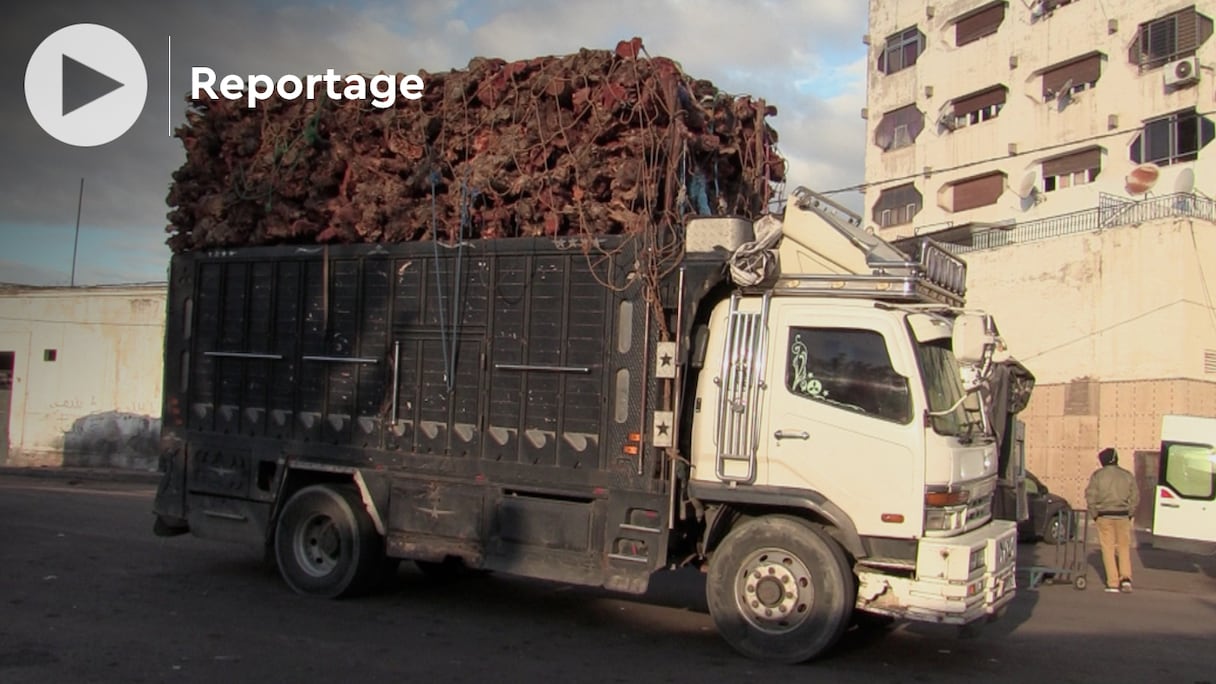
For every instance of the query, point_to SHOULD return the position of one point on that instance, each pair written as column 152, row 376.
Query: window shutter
column 978, row 101
column 1188, row 30
column 1084, row 70
column 978, row 192
column 1072, row 163
column 1205, row 29
column 983, row 23
column 896, row 200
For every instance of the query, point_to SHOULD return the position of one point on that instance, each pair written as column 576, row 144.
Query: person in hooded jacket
column 1112, row 497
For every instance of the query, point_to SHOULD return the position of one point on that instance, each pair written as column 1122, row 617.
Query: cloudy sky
column 805, row 57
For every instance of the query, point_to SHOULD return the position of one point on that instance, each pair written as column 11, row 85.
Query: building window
column 901, row 50
column 979, row 107
column 977, row 191
column 899, row 128
column 1169, row 38
column 897, row 206
column 978, row 24
column 1074, row 76
column 1172, row 139
column 848, row 369
column 1077, row 168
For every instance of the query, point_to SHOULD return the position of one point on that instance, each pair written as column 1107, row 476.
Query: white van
column 1184, row 509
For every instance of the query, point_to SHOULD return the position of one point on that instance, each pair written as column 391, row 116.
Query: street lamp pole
column 76, row 241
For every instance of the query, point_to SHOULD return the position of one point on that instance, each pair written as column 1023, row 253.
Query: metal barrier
column 1112, row 211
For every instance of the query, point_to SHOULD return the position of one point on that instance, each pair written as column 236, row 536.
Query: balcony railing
column 1112, row 211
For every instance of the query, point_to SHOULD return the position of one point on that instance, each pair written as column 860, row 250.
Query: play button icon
column 82, row 85
column 86, row 85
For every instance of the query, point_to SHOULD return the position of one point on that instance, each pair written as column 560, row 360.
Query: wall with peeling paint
column 87, row 376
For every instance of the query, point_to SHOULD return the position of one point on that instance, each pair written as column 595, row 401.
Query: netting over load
column 597, row 142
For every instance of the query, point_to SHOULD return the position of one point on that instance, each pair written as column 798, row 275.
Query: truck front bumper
column 957, row 580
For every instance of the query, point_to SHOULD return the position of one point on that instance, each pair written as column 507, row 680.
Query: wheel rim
column 774, row 591
column 1053, row 529
column 317, row 545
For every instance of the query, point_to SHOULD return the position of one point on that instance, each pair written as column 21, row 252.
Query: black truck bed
column 493, row 396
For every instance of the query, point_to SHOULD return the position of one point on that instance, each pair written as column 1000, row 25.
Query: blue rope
column 697, row 193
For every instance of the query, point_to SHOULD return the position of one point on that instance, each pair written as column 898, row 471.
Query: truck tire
column 780, row 589
column 326, row 545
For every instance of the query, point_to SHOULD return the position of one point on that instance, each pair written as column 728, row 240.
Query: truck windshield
column 944, row 387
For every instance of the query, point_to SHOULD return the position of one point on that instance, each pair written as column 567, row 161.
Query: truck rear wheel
column 780, row 589
column 326, row 544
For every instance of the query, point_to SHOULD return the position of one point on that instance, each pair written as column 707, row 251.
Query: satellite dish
column 884, row 138
column 946, row 118
column 1184, row 184
column 1142, row 179
column 1026, row 188
column 1063, row 95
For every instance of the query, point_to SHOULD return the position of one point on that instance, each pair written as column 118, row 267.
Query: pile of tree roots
column 597, row 142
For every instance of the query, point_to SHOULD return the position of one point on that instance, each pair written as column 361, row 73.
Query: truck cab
column 840, row 396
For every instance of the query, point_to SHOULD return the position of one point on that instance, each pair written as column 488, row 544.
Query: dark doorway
column 1146, row 478
column 6, row 395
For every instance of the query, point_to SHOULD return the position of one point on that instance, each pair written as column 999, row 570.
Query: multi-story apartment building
column 1065, row 148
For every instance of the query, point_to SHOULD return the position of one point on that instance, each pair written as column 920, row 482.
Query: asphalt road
column 87, row 593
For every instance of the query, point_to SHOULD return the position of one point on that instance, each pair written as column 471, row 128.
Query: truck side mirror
column 972, row 339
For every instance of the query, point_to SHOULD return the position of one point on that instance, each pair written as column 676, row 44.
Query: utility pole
column 76, row 242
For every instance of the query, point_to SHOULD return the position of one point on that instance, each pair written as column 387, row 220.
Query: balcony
column 1112, row 211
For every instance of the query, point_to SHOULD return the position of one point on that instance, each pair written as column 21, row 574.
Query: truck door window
column 1189, row 470
column 849, row 369
column 944, row 388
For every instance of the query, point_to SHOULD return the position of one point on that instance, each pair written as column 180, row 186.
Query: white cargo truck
column 781, row 405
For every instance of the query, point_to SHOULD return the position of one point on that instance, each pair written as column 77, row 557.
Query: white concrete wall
column 98, row 402
column 1127, row 303
column 1114, row 324
column 1039, row 130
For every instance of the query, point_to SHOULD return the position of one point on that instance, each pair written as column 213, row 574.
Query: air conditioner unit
column 1182, row 72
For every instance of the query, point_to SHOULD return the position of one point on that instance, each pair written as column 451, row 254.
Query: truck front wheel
column 780, row 589
column 326, row 544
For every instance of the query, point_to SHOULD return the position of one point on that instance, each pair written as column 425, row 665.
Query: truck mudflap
column 170, row 503
column 957, row 580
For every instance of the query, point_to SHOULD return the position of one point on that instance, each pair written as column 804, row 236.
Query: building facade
column 1064, row 148
column 80, row 375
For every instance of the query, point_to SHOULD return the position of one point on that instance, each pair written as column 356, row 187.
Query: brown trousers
column 1115, row 535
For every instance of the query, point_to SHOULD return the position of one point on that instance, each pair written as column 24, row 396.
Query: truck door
column 1184, row 511
column 840, row 421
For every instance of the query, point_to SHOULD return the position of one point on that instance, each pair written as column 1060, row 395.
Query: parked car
column 1045, row 521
